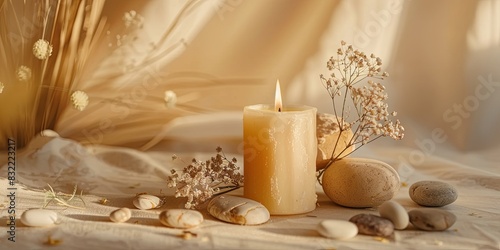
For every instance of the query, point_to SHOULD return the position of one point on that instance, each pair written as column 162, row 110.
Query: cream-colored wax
column 280, row 158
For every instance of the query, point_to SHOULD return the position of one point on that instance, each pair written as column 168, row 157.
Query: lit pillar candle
column 280, row 149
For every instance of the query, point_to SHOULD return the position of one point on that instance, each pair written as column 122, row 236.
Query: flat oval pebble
column 181, row 218
column 432, row 219
column 433, row 193
column 370, row 224
column 238, row 210
column 39, row 217
column 120, row 215
column 337, row 229
column 358, row 182
column 396, row 213
column 147, row 201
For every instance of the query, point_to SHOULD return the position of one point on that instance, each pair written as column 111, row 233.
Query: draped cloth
column 219, row 56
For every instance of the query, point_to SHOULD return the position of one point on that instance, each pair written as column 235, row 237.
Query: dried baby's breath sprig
column 202, row 180
column 132, row 18
column 371, row 118
column 62, row 199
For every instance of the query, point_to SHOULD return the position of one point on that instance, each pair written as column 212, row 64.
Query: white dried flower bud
column 42, row 49
column 170, row 98
column 131, row 18
column 23, row 73
column 80, row 100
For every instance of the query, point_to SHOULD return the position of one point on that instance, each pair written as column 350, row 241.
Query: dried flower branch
column 62, row 199
column 202, row 180
column 371, row 117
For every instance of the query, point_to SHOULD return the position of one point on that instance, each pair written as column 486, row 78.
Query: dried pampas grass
column 88, row 70
column 44, row 46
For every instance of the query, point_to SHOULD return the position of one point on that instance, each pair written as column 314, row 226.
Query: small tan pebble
column 404, row 184
column 327, row 134
column 359, row 182
column 432, row 219
column 181, row 218
column 433, row 193
column 396, row 213
column 147, row 201
column 187, row 235
column 103, row 201
column 52, row 242
column 238, row 210
column 337, row 229
column 120, row 215
column 438, row 242
column 381, row 239
column 370, row 224
column 39, row 217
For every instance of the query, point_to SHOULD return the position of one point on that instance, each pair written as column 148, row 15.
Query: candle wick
column 279, row 109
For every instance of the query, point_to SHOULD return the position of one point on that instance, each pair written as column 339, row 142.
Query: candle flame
column 277, row 100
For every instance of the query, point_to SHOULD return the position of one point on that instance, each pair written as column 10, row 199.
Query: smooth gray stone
column 433, row 193
column 432, row 219
column 370, row 224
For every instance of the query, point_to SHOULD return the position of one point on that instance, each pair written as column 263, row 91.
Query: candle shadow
column 133, row 220
column 119, row 202
column 292, row 231
column 85, row 217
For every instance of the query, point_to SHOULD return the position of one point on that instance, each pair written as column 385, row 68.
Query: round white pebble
column 120, row 215
column 49, row 133
column 337, row 229
column 39, row 217
column 147, row 201
column 181, row 218
column 396, row 213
